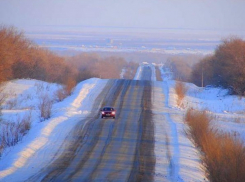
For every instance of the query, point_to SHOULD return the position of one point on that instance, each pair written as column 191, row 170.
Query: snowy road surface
column 143, row 143
column 108, row 149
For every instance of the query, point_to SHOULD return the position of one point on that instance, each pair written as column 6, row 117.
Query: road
column 108, row 149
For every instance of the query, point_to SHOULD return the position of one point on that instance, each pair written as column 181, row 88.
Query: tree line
column 181, row 66
column 22, row 58
column 225, row 68
column 92, row 65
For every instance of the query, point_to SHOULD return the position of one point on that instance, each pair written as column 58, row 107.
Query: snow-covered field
column 40, row 140
column 23, row 98
column 226, row 110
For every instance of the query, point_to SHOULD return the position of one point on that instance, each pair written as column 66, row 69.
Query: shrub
column 180, row 90
column 45, row 106
column 61, row 94
column 198, row 122
column 222, row 153
column 69, row 85
column 12, row 132
column 26, row 123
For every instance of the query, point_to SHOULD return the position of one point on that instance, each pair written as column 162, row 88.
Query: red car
column 108, row 112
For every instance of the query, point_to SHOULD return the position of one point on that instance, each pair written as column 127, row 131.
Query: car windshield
column 108, row 109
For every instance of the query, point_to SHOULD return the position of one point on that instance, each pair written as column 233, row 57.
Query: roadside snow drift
column 46, row 137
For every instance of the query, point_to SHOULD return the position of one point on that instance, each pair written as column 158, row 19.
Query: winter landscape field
column 171, row 72
column 41, row 144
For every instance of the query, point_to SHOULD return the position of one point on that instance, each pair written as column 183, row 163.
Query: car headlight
column 113, row 112
column 102, row 112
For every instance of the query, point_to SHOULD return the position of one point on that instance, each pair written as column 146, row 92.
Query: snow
column 184, row 163
column 140, row 68
column 39, row 141
column 153, row 75
column 227, row 110
column 23, row 97
column 184, row 159
column 138, row 73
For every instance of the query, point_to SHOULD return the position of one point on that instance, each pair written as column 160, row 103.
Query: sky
column 221, row 15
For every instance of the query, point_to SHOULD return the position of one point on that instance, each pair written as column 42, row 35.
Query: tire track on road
column 77, row 139
column 144, row 162
column 89, row 175
column 117, row 161
column 105, row 149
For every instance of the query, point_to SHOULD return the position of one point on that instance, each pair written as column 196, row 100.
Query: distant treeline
column 182, row 65
column 93, row 65
column 21, row 58
column 225, row 68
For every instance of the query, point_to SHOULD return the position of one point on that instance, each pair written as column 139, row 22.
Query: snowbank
column 138, row 73
column 228, row 110
column 46, row 137
column 184, row 163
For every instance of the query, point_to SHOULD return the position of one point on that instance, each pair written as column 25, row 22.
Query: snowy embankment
column 227, row 110
column 153, row 75
column 184, row 163
column 138, row 73
column 45, row 137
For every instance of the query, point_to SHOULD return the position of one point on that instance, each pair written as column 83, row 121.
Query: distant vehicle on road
column 108, row 112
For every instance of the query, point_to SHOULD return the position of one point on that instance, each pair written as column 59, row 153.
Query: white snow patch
column 44, row 138
column 138, row 73
column 184, row 163
column 227, row 110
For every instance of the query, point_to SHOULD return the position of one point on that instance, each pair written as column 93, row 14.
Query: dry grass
column 180, row 89
column 45, row 106
column 222, row 153
column 67, row 90
column 198, row 123
column 12, row 133
column 12, row 103
column 61, row 94
column 70, row 84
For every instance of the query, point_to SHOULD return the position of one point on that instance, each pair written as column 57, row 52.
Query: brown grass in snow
column 222, row 153
column 180, row 89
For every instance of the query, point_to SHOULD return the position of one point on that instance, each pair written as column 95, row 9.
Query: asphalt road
column 120, row 149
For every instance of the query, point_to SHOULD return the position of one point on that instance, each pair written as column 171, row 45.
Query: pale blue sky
column 224, row 15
